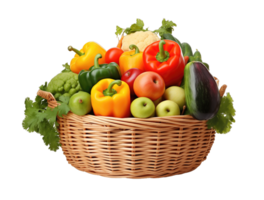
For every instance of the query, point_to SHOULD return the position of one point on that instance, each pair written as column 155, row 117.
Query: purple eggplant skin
column 201, row 91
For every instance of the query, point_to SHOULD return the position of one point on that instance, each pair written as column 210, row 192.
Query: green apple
column 142, row 107
column 176, row 94
column 167, row 108
column 80, row 103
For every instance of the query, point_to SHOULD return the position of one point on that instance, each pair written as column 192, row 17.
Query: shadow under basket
column 133, row 147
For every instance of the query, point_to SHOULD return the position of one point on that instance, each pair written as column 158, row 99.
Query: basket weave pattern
column 133, row 147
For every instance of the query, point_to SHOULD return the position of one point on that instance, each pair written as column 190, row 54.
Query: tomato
column 113, row 54
column 150, row 85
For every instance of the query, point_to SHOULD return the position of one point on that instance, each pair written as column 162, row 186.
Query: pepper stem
column 96, row 58
column 110, row 91
column 131, row 47
column 70, row 48
column 162, row 55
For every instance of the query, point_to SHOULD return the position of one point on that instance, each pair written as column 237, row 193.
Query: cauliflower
column 64, row 83
column 141, row 39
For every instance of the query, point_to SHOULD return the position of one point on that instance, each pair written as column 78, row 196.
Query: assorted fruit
column 144, row 76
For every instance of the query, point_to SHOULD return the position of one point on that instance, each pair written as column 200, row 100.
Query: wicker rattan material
column 133, row 147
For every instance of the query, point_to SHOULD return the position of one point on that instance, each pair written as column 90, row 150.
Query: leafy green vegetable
column 42, row 119
column 166, row 27
column 137, row 25
column 224, row 118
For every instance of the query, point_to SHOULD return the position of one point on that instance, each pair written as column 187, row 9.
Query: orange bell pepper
column 84, row 59
column 131, row 59
column 111, row 97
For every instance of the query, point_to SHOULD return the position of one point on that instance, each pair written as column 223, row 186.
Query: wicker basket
column 133, row 147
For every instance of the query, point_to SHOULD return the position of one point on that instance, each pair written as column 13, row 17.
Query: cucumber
column 168, row 36
column 187, row 49
column 201, row 91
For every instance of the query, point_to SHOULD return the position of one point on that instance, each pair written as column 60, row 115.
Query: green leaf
column 44, row 87
column 67, row 68
column 51, row 114
column 138, row 26
column 42, row 119
column 64, row 99
column 50, row 135
column 139, row 22
column 63, row 109
column 119, row 30
column 166, row 27
column 30, row 123
column 222, row 121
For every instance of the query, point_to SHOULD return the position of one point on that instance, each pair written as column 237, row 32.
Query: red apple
column 150, row 85
column 129, row 77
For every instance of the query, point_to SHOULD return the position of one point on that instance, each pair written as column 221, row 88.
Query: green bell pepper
column 88, row 78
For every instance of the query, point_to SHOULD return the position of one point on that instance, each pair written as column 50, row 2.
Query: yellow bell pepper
column 111, row 97
column 131, row 59
column 84, row 59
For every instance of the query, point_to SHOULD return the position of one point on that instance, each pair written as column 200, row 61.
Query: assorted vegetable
column 165, row 58
column 148, row 74
column 131, row 59
column 64, row 84
column 111, row 98
column 201, row 91
column 84, row 59
column 141, row 39
column 113, row 55
column 98, row 72
column 169, row 36
column 137, row 35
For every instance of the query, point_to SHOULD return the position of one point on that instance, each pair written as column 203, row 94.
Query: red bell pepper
column 113, row 55
column 165, row 58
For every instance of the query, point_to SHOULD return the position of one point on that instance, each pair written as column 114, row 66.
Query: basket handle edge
column 46, row 95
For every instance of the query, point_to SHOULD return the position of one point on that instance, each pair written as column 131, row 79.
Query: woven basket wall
column 133, row 147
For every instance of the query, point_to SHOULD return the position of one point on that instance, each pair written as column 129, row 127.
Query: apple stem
column 183, row 109
column 80, row 100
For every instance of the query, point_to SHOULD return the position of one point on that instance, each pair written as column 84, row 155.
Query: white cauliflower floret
column 141, row 39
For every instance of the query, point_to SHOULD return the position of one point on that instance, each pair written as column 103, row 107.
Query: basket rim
column 135, row 118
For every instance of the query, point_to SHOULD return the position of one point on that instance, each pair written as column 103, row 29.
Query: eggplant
column 201, row 91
